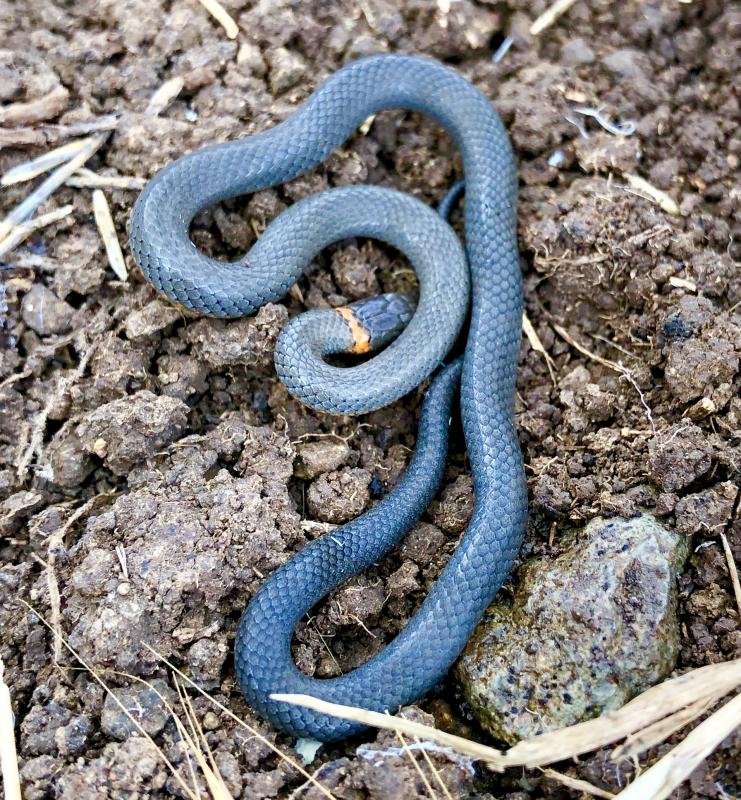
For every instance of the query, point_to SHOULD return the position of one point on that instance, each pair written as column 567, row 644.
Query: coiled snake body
column 423, row 652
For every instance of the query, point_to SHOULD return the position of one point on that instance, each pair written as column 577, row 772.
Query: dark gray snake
column 423, row 652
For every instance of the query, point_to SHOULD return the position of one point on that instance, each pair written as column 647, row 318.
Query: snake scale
column 416, row 342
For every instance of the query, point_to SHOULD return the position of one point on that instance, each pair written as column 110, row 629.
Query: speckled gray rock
column 586, row 632
column 144, row 704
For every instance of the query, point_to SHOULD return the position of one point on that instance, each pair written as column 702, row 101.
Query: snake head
column 376, row 321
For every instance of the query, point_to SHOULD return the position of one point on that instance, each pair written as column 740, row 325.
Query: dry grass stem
column 52, row 586
column 191, row 739
column 162, row 98
column 660, row 780
column 550, row 15
column 638, row 743
column 8, row 757
column 210, row 771
column 577, row 784
column 175, row 774
column 650, row 192
column 36, row 166
column 47, row 135
column 732, row 571
column 430, row 791
column 253, row 731
column 481, row 752
column 28, row 206
column 714, row 680
column 537, row 345
column 87, row 179
column 54, row 542
column 21, row 232
column 104, row 221
column 43, row 108
column 434, row 770
column 221, row 15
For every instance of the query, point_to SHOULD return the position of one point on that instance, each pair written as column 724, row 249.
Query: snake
column 480, row 283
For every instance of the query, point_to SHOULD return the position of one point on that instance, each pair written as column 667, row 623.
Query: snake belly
column 422, row 653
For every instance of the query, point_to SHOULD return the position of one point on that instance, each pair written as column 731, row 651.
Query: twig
column 658, row 782
column 433, row 769
column 577, row 784
column 35, row 166
column 550, row 15
column 46, row 107
column 660, row 731
column 104, row 221
column 22, row 231
column 8, row 757
column 490, row 755
column 46, row 135
column 87, row 179
column 26, row 208
column 220, row 14
column 732, row 571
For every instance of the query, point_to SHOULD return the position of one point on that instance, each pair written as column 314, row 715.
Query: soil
column 153, row 470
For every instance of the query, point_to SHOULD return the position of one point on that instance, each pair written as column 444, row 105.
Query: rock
column 72, row 738
column 205, row 660
column 143, row 703
column 249, row 59
column 17, row 508
column 586, row 632
column 69, row 464
column 286, row 69
column 576, row 52
column 37, row 775
column 154, row 318
column 315, row 458
column 40, row 726
column 131, row 429
column 44, row 312
column 339, row 496
column 422, row 543
column 678, row 455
